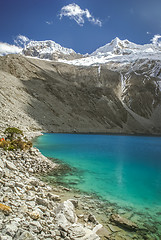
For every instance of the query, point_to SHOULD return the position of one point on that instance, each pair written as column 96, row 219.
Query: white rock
column 27, row 236
column 65, row 215
column 1, row 172
column 34, row 215
column 1, row 164
column 69, row 211
column 12, row 228
column 90, row 235
column 7, row 172
column 97, row 227
column 6, row 238
column 31, row 203
column 76, row 231
column 19, row 184
column 10, row 165
column 17, row 219
column 54, row 197
column 62, row 221
column 37, row 224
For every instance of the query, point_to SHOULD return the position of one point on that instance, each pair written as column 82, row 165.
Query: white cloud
column 156, row 40
column 49, row 22
column 21, row 40
column 73, row 11
column 6, row 48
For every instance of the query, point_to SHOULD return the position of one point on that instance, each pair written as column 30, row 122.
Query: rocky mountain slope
column 113, row 90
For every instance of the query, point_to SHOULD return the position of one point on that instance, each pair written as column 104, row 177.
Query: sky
column 83, row 25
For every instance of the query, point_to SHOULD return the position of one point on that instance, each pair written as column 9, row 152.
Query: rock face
column 52, row 96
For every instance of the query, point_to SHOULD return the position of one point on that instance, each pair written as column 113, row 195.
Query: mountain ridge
column 113, row 93
column 115, row 47
column 46, row 49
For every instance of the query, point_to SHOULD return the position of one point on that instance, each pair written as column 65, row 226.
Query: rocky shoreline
column 30, row 209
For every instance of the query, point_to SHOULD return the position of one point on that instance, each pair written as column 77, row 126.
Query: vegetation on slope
column 13, row 140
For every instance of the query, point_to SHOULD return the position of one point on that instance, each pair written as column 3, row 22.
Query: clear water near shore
column 125, row 170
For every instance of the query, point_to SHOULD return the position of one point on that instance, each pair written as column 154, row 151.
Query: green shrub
column 12, row 132
column 11, row 148
column 14, row 141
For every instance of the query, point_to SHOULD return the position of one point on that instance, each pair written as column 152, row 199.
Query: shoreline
column 29, row 208
column 40, row 210
column 107, row 133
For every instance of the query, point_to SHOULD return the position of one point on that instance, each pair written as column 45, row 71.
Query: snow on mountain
column 123, row 54
column 122, row 47
column 48, row 50
column 120, row 54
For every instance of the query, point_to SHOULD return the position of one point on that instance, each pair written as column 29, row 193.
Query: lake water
column 125, row 170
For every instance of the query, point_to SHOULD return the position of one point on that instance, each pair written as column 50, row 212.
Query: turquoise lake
column 125, row 170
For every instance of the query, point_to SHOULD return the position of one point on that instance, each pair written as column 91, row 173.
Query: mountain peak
column 120, row 47
column 49, row 49
column 116, row 40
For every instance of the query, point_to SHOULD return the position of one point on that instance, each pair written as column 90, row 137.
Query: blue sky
column 83, row 25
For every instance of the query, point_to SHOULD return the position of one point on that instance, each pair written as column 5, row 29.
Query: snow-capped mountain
column 120, row 55
column 123, row 55
column 49, row 50
column 123, row 47
column 120, row 51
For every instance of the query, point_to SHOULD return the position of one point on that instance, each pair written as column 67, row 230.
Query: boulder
column 65, row 215
column 54, row 197
column 62, row 222
column 10, row 165
column 27, row 236
column 7, row 172
column 34, row 182
column 34, row 215
column 76, row 231
column 41, row 201
column 92, row 219
column 75, row 202
column 123, row 222
column 11, row 229
column 90, row 235
column 19, row 184
column 69, row 211
column 5, row 237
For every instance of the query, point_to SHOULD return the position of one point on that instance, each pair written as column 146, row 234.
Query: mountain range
column 116, row 89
